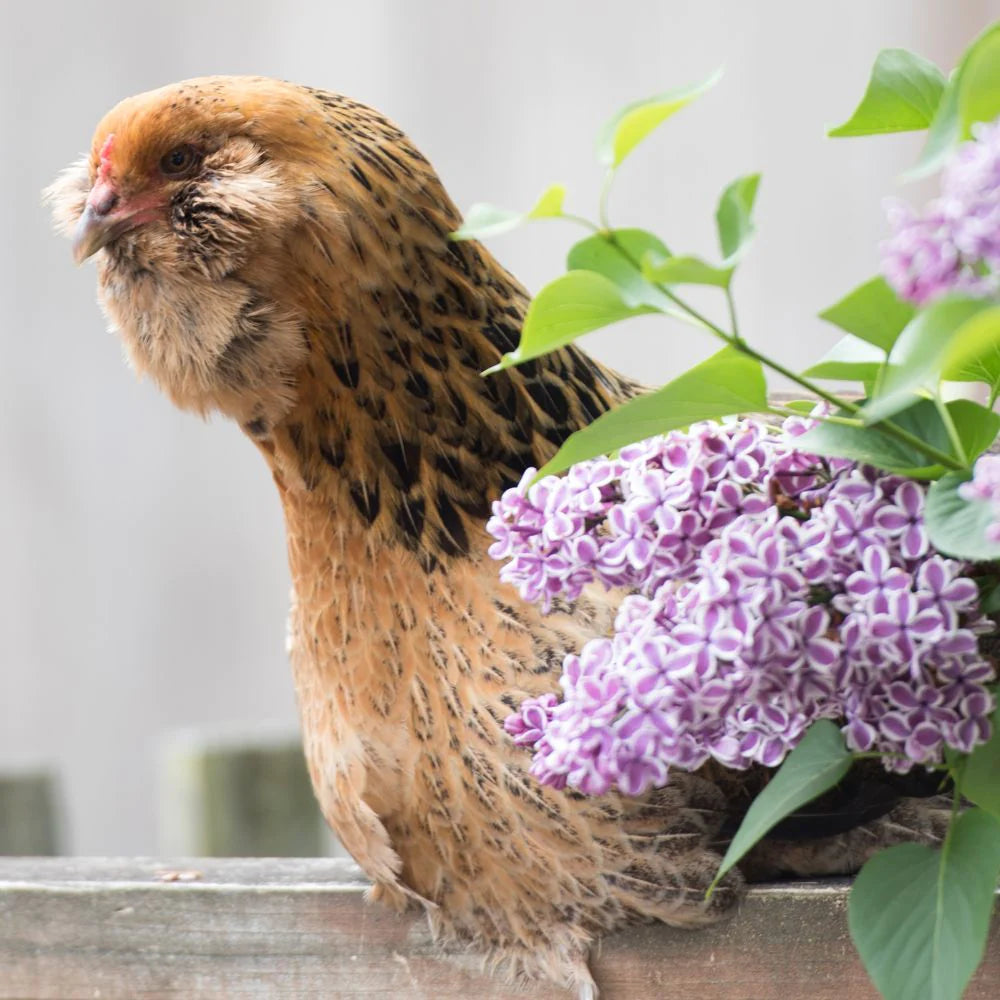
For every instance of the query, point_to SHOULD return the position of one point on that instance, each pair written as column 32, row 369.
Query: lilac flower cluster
column 954, row 246
column 985, row 485
column 766, row 588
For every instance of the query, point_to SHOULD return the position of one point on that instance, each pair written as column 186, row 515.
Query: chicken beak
column 107, row 215
column 93, row 231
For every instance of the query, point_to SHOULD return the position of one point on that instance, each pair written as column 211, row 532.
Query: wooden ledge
column 220, row 929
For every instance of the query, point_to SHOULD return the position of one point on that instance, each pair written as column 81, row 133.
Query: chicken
column 280, row 254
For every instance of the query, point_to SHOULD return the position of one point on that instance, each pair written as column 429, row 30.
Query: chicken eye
column 180, row 161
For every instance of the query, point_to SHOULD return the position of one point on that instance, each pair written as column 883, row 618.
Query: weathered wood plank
column 283, row 929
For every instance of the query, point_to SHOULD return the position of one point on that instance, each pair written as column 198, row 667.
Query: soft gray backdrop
column 142, row 570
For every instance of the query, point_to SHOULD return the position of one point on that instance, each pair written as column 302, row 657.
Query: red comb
column 104, row 170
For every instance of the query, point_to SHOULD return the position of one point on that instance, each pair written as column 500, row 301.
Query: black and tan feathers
column 299, row 279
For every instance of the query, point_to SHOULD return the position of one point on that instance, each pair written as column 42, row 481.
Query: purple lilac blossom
column 954, row 245
column 766, row 588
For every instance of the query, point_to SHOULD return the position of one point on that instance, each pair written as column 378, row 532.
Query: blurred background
column 143, row 583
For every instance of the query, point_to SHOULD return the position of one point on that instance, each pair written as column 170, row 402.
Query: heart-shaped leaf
column 618, row 256
column 635, row 121
column 563, row 310
column 818, row 762
column 872, row 312
column 951, row 333
column 902, row 95
column 726, row 383
column 919, row 917
column 958, row 526
column 851, row 359
column 975, row 425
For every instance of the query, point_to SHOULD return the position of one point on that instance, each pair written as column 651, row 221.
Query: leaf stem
column 731, row 306
column 829, row 418
column 580, row 220
column 602, row 213
column 956, row 441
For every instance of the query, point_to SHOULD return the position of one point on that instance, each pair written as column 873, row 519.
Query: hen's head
column 237, row 222
column 281, row 254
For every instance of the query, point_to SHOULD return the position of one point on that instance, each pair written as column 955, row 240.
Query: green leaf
column 635, row 121
column 975, row 425
column 733, row 216
column 549, row 204
column 726, row 383
column 684, row 271
column 958, row 526
column 563, row 310
column 617, row 256
column 952, row 332
column 984, row 368
column 818, row 762
column 989, row 597
column 920, row 917
column 482, row 220
column 902, row 95
column 850, row 360
column 981, row 774
column 803, row 406
column 979, row 81
column 971, row 95
column 872, row 312
column 942, row 137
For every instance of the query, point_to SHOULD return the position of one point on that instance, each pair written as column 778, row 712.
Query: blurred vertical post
column 238, row 797
column 29, row 813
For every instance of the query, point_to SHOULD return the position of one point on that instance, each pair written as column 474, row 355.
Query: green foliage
column 919, row 917
column 633, row 123
column 971, row 95
column 616, row 255
column 851, row 359
column 980, row 773
column 684, row 271
column 576, row 303
column 734, row 217
column 952, row 333
column 818, row 762
column 726, row 383
column 958, row 526
column 483, row 221
column 978, row 81
column 872, row 312
column 903, row 94
column 975, row 426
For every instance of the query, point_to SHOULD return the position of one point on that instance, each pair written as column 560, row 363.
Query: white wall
column 142, row 567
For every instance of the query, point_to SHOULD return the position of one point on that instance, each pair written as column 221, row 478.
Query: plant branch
column 885, row 426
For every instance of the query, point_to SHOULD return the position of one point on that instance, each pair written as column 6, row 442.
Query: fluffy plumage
column 280, row 254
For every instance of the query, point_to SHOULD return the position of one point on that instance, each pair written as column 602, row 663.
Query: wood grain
column 282, row 929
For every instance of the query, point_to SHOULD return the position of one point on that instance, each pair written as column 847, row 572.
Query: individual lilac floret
column 985, row 485
column 769, row 588
column 954, row 245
